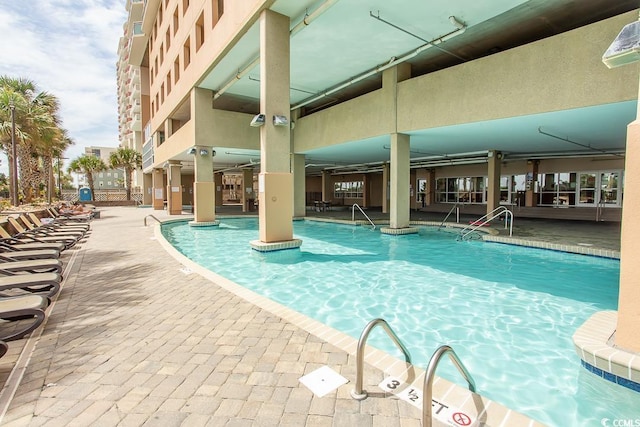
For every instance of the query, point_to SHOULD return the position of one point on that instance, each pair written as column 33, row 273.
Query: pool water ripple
column 509, row 312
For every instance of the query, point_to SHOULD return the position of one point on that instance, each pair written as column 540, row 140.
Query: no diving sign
column 442, row 411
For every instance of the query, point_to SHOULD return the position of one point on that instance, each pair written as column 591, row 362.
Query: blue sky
column 68, row 48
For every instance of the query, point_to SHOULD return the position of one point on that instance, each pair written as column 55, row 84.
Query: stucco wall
column 557, row 73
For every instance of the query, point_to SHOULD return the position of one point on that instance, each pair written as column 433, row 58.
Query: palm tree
column 88, row 165
column 38, row 131
column 128, row 159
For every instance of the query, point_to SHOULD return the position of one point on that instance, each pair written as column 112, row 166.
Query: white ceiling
column 345, row 41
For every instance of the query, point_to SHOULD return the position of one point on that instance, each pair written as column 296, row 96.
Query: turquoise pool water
column 509, row 312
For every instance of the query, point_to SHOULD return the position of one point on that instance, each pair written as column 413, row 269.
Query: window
column 185, row 6
column 348, row 189
column 101, row 175
column 461, row 190
column 162, row 93
column 186, row 54
column 161, row 54
column 176, row 21
column 512, row 189
column 200, row 32
column 176, row 70
column 109, row 174
column 115, row 174
column 167, row 38
column 217, row 9
column 556, row 189
column 168, row 82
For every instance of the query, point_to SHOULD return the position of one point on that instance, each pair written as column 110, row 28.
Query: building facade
column 109, row 179
column 397, row 105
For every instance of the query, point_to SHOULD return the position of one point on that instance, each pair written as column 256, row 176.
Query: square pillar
column 385, row 187
column 147, row 192
column 248, row 197
column 493, row 186
column 203, row 188
column 275, row 180
column 400, row 181
column 217, row 178
column 530, row 183
column 158, row 189
column 299, row 185
column 327, row 187
column 174, row 188
column 628, row 327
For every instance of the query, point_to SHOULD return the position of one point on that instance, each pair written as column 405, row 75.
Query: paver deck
column 132, row 340
column 136, row 339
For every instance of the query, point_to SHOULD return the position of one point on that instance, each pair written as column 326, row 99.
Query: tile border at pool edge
column 491, row 413
column 581, row 250
column 593, row 344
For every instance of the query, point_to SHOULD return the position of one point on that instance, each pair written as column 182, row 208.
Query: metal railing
column 353, row 215
column 480, row 222
column 145, row 219
column 455, row 207
column 599, row 210
column 427, row 390
column 358, row 393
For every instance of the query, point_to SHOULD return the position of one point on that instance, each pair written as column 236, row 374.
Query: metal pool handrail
column 358, row 393
column 353, row 215
column 145, row 219
column 487, row 219
column 427, row 390
column 455, row 207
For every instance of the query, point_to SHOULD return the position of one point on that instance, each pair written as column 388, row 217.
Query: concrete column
column 399, row 209
column 168, row 128
column 203, row 188
column 431, row 188
column 158, row 189
column 147, row 189
column 628, row 328
column 217, row 179
column 385, row 188
column 366, row 197
column 299, row 185
column 493, row 186
column 530, row 183
column 275, row 179
column 327, row 186
column 248, row 198
column 174, row 188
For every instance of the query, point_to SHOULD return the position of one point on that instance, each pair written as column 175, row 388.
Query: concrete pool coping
column 475, row 405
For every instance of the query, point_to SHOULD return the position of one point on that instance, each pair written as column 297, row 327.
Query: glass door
column 587, row 189
column 609, row 188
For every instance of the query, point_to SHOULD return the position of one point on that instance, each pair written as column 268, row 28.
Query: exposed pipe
column 306, row 20
column 453, row 20
column 577, row 143
column 246, row 165
column 379, row 68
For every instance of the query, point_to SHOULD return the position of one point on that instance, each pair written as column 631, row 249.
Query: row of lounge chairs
column 31, row 269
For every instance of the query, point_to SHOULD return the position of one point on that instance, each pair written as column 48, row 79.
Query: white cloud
column 68, row 48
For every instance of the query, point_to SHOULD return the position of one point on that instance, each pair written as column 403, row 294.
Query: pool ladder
column 480, row 222
column 353, row 215
column 427, row 389
column 152, row 216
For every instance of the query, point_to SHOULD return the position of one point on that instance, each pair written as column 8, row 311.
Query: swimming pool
column 509, row 312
